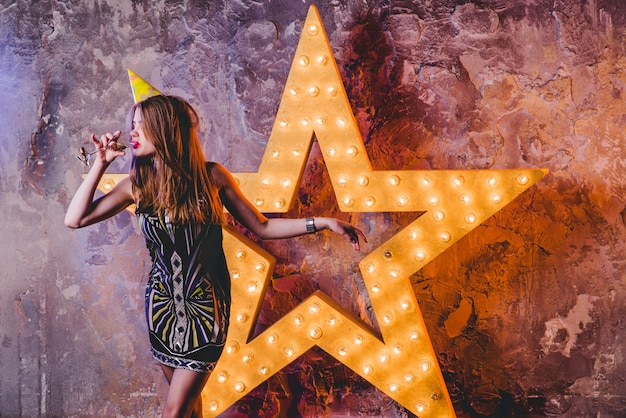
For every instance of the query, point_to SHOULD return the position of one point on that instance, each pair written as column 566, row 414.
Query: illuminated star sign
column 402, row 364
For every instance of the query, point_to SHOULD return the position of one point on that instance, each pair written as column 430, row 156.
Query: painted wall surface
column 526, row 313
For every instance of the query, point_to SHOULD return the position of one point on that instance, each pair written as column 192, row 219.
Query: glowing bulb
column 290, row 351
column 458, row 181
column 342, row 351
column 213, row 406
column 314, row 91
column 397, row 349
column 232, row 348
column 464, row 199
column 409, row 377
column 258, row 201
column 305, row 121
column 402, row 200
column 470, row 218
column 315, row 307
column 263, row 370
column 425, row 365
column 298, row 320
column 393, row 180
column 384, row 358
column 405, row 305
column 348, row 201
column 279, row 203
column 342, row 181
column 394, row 274
column 445, row 236
column 293, row 91
column 260, row 267
column 275, row 153
column 370, row 267
column 358, row 340
column 433, row 201
column 286, row 182
column 393, row 387
column 426, row 181
column 247, row 358
column 303, row 61
column 413, row 235
column 332, row 320
column 414, row 336
column 387, row 318
column 375, row 288
column 364, row 181
column 242, row 317
column 239, row 387
column 342, row 122
column 496, row 198
column 420, row 255
column 369, row 201
column 283, row 123
column 352, row 151
column 321, row 120
column 332, row 151
column 235, row 274
column 420, row 407
column 367, row 368
column 438, row 215
column 332, row 91
column 222, row 377
column 322, row 59
column 272, row 338
column 491, row 181
column 313, row 30
column 108, row 184
column 522, row 179
column 316, row 333
column 253, row 287
column 295, row 152
column 241, row 255
column 266, row 182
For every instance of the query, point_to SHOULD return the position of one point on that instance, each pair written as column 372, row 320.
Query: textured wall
column 526, row 312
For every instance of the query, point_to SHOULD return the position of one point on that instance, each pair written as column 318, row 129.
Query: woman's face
column 142, row 147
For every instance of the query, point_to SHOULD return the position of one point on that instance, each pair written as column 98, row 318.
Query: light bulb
column 316, row 333
column 313, row 30
column 253, row 287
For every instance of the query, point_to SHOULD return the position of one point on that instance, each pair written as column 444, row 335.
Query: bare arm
column 83, row 209
column 275, row 228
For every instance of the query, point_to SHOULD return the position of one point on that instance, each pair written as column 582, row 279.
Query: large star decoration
column 402, row 364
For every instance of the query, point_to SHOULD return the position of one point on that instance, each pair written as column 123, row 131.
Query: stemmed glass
column 85, row 156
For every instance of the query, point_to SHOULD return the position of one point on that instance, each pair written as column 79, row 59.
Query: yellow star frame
column 402, row 364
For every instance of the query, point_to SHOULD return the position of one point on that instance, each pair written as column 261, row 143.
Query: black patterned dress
column 188, row 293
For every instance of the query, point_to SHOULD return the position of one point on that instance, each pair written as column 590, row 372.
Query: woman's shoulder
column 220, row 174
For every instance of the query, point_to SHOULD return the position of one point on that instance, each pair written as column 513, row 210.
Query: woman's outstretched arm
column 275, row 228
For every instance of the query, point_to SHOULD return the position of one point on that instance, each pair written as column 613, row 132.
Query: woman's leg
column 183, row 397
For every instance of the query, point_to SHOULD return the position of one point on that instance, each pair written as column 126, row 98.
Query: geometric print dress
column 188, row 293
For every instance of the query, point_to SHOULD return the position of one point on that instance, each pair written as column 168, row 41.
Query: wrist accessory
column 310, row 225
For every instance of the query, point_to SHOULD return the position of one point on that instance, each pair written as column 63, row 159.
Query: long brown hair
column 175, row 182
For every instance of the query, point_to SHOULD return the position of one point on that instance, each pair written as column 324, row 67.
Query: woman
column 180, row 200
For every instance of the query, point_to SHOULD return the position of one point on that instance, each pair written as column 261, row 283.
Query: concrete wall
column 526, row 313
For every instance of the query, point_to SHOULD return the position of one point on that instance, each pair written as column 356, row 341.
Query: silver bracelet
column 310, row 225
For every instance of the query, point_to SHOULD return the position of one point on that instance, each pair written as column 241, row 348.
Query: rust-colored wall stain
column 525, row 312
